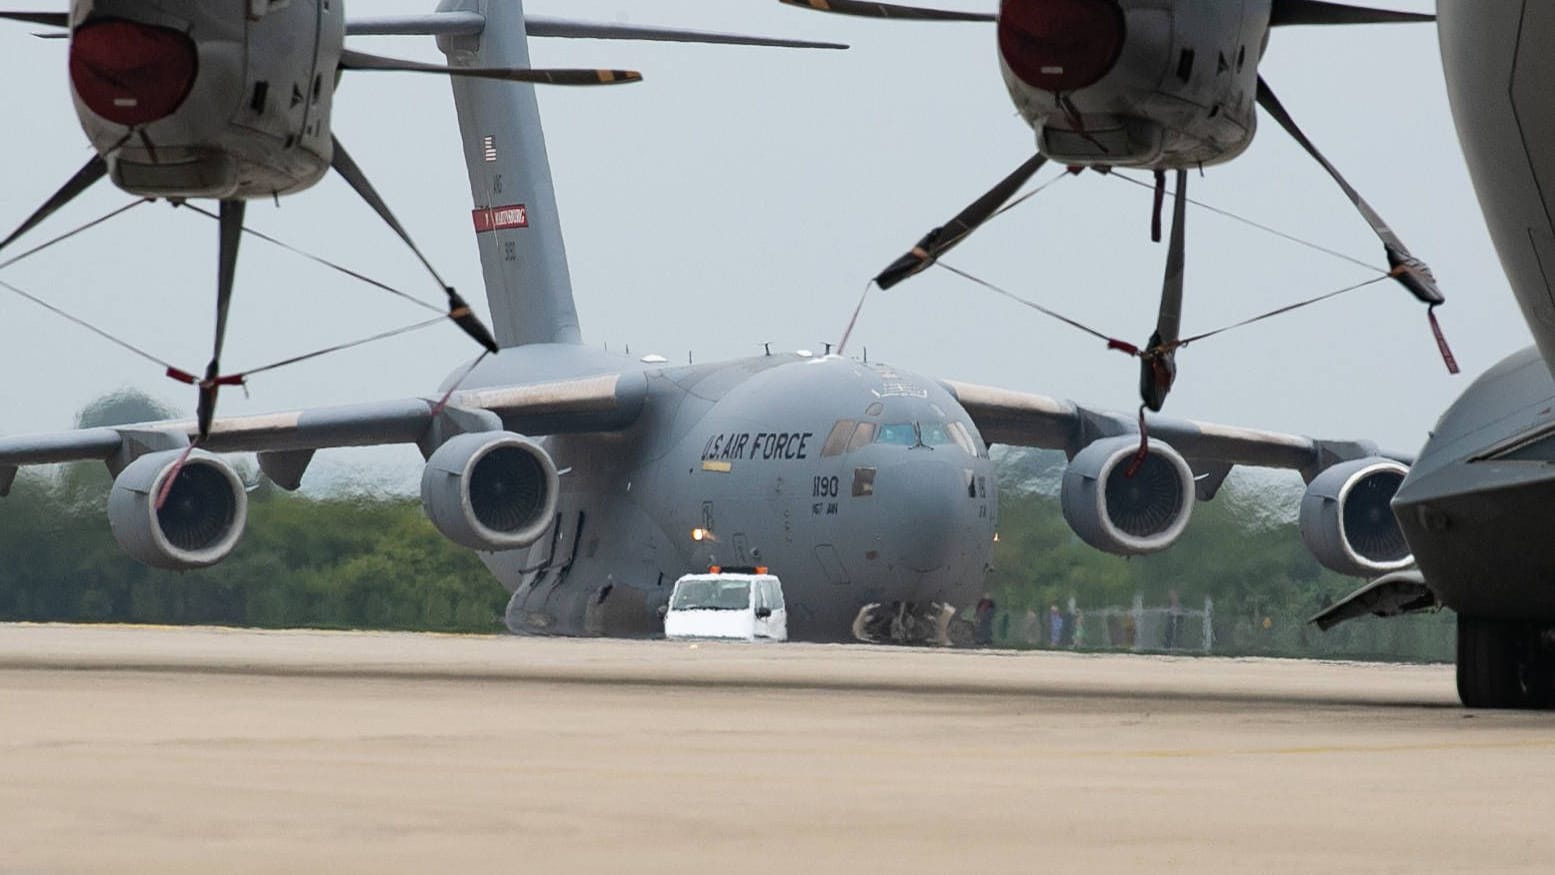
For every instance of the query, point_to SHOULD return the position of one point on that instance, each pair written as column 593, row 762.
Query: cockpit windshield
column 712, row 595
column 935, row 434
column 849, row 435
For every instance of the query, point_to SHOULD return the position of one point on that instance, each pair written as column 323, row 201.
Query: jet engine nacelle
column 1347, row 518
column 197, row 526
column 188, row 98
column 1124, row 515
column 490, row 491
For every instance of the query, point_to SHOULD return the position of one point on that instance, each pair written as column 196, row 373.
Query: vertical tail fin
column 516, row 223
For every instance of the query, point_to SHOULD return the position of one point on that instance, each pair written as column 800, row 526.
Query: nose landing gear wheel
column 1504, row 665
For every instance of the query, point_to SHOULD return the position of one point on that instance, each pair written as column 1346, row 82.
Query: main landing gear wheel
column 905, row 623
column 1504, row 664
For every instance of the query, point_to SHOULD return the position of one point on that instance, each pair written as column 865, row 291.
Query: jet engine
column 198, row 524
column 1128, row 512
column 490, row 491
column 1347, row 518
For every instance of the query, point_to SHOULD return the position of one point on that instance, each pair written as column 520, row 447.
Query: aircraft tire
column 1501, row 665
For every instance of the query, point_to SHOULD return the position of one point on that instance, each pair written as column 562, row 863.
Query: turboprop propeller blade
column 1295, row 12
column 890, row 10
column 944, row 238
column 1412, row 273
column 94, row 170
column 1158, row 361
column 459, row 312
column 353, row 60
column 47, row 19
column 231, row 237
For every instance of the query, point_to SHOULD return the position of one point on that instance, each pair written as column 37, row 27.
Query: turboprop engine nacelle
column 1347, row 518
column 1124, row 515
column 490, row 491
column 188, row 98
column 1134, row 83
column 197, row 526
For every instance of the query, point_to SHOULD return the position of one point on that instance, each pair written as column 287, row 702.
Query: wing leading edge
column 286, row 441
column 1027, row 420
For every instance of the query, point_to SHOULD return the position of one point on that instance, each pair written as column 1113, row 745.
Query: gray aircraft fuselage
column 745, row 452
column 1475, row 505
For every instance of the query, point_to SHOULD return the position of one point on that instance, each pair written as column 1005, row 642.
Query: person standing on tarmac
column 983, row 635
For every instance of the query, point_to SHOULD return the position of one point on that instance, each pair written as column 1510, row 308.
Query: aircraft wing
column 286, row 441
column 1026, row 420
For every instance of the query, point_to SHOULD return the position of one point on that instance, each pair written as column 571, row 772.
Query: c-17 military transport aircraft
column 588, row 482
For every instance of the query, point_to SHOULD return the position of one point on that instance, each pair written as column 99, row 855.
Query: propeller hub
column 1061, row 45
column 131, row 73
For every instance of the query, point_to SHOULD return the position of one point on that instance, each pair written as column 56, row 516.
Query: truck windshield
column 712, row 595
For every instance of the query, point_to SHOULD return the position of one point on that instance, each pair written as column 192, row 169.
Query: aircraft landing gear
column 907, row 623
column 1505, row 664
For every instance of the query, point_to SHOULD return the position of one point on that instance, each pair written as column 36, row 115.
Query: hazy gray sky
column 745, row 195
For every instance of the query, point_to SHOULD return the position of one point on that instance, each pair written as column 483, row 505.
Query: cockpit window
column 837, row 441
column 964, row 438
column 863, row 436
column 935, row 434
column 900, row 433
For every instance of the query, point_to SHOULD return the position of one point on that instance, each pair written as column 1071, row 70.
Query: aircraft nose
column 925, row 503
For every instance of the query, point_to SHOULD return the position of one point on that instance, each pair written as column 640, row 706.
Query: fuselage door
column 831, row 564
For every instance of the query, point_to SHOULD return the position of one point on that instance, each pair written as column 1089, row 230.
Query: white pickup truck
column 727, row 604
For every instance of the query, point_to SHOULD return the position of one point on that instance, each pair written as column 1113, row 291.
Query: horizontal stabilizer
column 350, row 60
column 472, row 23
column 1295, row 12
column 1402, row 592
column 863, row 9
column 48, row 19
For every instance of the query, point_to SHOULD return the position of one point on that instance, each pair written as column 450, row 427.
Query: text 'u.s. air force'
column 757, row 445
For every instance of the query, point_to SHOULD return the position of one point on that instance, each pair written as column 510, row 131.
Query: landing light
column 700, row 534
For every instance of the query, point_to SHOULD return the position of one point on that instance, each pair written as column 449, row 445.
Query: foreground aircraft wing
column 286, row 441
column 1026, row 420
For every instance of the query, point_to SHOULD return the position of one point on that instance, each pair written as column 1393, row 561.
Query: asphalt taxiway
column 200, row 750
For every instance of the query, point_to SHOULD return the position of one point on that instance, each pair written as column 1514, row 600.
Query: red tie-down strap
column 1144, row 448
column 189, row 379
column 172, row 477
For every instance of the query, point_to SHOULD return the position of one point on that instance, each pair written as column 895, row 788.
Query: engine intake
column 1123, row 515
column 199, row 524
column 490, row 491
column 1347, row 519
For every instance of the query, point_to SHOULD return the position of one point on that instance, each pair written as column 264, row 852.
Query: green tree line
column 340, row 561
column 361, row 562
